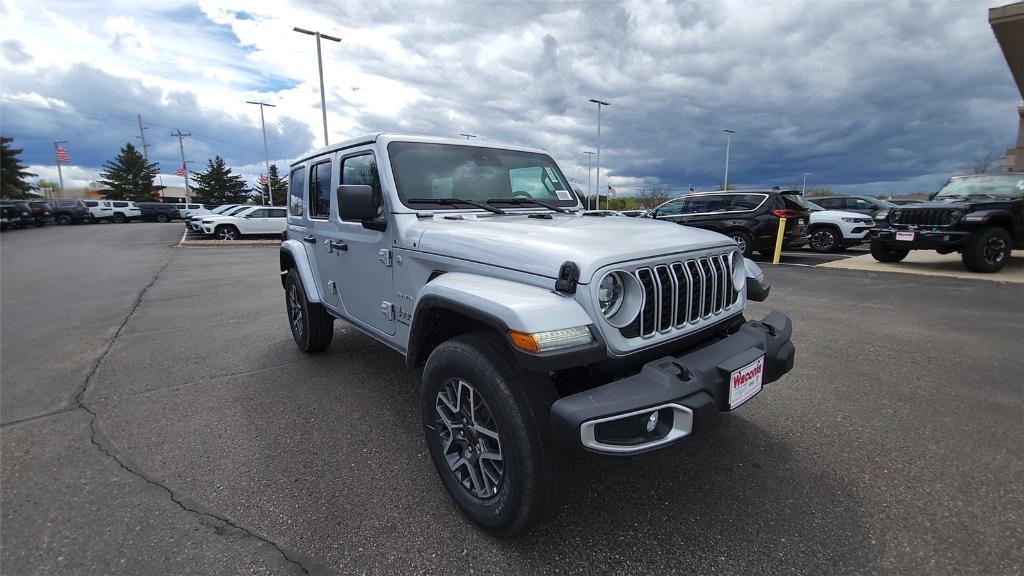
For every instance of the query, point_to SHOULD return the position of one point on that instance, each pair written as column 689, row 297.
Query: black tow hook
column 684, row 373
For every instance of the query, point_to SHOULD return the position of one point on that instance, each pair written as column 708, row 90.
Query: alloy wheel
column 226, row 234
column 823, row 240
column 469, row 438
column 994, row 250
column 295, row 310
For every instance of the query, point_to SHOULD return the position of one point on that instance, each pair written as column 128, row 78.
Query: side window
column 858, row 204
column 362, row 169
column 260, row 213
column 671, row 208
column 320, row 190
column 276, row 213
column 120, row 204
column 91, row 203
column 703, row 204
column 828, row 203
column 296, row 189
column 744, row 202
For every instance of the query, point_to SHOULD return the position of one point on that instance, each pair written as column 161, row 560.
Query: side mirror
column 758, row 286
column 356, row 204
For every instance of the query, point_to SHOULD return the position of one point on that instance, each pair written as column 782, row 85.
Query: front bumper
column 923, row 239
column 693, row 386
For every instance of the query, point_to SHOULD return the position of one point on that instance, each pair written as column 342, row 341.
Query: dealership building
column 1008, row 25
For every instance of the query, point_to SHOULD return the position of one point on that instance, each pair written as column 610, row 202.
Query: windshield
column 427, row 171
column 991, row 185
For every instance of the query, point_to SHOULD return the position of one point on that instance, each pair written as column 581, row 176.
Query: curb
column 186, row 243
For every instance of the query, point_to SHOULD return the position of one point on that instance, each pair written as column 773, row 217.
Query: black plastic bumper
column 923, row 239
column 697, row 380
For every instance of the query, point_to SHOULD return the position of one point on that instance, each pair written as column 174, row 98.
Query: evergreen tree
column 278, row 185
column 129, row 176
column 13, row 175
column 217, row 185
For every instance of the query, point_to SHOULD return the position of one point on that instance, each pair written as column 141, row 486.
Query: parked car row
column 233, row 221
column 23, row 213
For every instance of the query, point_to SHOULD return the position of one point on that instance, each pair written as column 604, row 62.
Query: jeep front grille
column 681, row 294
column 923, row 216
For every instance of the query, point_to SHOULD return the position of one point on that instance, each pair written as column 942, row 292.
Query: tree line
column 130, row 177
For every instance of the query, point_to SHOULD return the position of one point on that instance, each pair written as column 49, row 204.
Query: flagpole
column 56, row 156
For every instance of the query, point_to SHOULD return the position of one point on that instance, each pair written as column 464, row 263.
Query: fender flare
column 996, row 216
column 293, row 255
column 503, row 305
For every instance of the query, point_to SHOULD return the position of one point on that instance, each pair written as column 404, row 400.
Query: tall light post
column 266, row 154
column 468, row 136
column 590, row 190
column 599, row 105
column 803, row 189
column 728, row 137
column 320, row 68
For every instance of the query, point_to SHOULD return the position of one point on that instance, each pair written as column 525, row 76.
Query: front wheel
column 312, row 327
column 226, row 233
column 485, row 421
column 825, row 240
column 886, row 253
column 162, row 218
column 120, row 218
column 987, row 250
column 63, row 219
column 743, row 241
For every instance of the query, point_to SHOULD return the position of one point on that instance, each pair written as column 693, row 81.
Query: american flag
column 62, row 154
column 180, row 171
column 264, row 180
column 612, row 191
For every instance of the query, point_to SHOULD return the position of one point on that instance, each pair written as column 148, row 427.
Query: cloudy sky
column 870, row 97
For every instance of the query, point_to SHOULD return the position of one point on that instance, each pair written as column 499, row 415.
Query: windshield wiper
column 453, row 202
column 520, row 201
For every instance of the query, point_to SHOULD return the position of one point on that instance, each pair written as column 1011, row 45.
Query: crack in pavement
column 95, row 434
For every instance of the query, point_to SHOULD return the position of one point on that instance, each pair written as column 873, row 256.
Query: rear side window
column 830, row 203
column 275, row 213
column 320, row 190
column 259, row 213
column 120, row 204
column 703, row 204
column 741, row 202
column 91, row 203
column 296, row 187
column 194, row 207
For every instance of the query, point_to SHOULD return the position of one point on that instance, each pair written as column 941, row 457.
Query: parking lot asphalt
column 203, row 442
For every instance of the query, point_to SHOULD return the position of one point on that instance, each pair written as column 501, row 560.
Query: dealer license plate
column 905, row 236
column 745, row 382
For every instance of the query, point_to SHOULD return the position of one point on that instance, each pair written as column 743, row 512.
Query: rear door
column 703, row 212
column 321, row 232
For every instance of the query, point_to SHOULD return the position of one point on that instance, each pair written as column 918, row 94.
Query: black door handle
column 311, row 239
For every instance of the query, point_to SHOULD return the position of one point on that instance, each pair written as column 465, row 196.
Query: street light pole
column 320, row 68
column 728, row 137
column 599, row 105
column 266, row 154
column 590, row 190
column 468, row 136
column 803, row 189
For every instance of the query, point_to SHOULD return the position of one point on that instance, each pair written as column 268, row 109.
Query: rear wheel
column 825, row 240
column 162, row 218
column 485, row 421
column 987, row 250
column 226, row 232
column 887, row 253
column 120, row 218
column 312, row 327
column 63, row 219
column 743, row 241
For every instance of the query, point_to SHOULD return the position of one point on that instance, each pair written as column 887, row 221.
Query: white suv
column 251, row 220
column 98, row 209
column 124, row 211
column 194, row 221
column 835, row 230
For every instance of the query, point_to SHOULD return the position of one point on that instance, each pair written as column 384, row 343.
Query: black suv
column 41, row 212
column 980, row 216
column 22, row 213
column 749, row 217
column 157, row 211
column 66, row 211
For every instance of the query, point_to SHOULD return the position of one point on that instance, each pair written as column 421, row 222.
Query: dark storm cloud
column 100, row 118
column 851, row 92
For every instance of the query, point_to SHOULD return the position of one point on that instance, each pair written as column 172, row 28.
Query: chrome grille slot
column 923, row 216
column 681, row 294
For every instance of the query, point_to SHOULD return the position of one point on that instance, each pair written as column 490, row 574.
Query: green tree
column 820, row 191
column 278, row 185
column 129, row 176
column 13, row 176
column 217, row 185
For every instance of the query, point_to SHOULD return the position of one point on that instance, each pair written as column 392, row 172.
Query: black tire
column 63, row 219
column 825, row 239
column 162, row 218
column 743, row 241
column 987, row 250
column 312, row 327
column 887, row 253
column 119, row 218
column 226, row 232
column 530, row 484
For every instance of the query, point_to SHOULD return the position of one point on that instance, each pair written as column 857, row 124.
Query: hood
column 540, row 245
column 837, row 214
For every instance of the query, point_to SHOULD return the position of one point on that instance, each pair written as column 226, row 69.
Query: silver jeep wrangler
column 540, row 330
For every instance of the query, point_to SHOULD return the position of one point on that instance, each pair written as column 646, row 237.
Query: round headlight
column 609, row 294
column 620, row 297
column 739, row 270
column 954, row 215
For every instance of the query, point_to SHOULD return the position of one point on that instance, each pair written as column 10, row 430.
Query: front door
column 355, row 258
